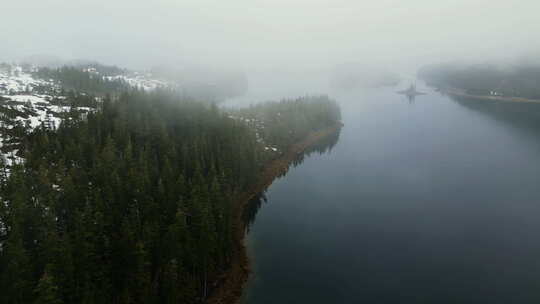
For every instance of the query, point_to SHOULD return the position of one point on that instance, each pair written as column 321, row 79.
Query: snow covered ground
column 15, row 79
column 20, row 93
column 22, row 107
column 27, row 112
column 141, row 81
column 258, row 126
column 28, row 102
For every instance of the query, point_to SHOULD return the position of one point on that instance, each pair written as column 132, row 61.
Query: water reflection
column 323, row 146
column 411, row 98
column 523, row 115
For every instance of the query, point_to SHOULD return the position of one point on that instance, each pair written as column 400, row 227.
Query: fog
column 263, row 34
column 137, row 162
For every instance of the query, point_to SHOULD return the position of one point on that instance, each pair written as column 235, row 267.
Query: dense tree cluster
column 133, row 203
column 285, row 122
column 83, row 81
column 519, row 81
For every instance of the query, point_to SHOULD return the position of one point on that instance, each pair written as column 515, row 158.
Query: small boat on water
column 411, row 91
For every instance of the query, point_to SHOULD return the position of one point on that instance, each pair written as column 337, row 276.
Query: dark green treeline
column 77, row 79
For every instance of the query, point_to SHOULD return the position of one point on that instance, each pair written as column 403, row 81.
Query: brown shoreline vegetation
column 229, row 286
column 457, row 93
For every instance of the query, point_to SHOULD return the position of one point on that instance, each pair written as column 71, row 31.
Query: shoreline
column 457, row 93
column 231, row 284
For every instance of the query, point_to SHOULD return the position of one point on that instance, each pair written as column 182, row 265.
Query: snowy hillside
column 141, row 81
column 18, row 80
column 27, row 103
column 32, row 97
column 30, row 101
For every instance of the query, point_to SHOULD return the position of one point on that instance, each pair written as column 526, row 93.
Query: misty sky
column 266, row 33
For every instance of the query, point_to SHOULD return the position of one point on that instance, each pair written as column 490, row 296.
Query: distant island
column 411, row 91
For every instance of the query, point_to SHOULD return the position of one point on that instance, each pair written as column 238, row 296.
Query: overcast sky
column 266, row 33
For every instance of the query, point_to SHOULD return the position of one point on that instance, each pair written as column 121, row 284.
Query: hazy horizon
column 268, row 34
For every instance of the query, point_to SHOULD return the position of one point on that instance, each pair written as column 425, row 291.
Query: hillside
column 128, row 197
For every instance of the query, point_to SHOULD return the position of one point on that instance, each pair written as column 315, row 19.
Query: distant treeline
column 521, row 80
column 133, row 204
column 201, row 84
column 80, row 80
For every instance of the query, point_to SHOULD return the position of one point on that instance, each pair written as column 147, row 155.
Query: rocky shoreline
column 458, row 93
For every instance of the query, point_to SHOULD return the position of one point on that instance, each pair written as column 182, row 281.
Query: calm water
column 430, row 202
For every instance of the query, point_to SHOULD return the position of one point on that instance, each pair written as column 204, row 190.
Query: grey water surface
column 429, row 201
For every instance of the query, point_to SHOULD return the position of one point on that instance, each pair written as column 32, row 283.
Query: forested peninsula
column 137, row 200
column 518, row 82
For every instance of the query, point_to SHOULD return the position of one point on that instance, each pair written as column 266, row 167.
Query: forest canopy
column 132, row 203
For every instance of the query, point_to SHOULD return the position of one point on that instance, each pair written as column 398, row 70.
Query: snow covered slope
column 28, row 101
column 15, row 79
column 141, row 81
column 24, row 106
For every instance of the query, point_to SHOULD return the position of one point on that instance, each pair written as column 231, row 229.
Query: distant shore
column 459, row 93
column 229, row 287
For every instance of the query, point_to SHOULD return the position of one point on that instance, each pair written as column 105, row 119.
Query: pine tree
column 47, row 291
